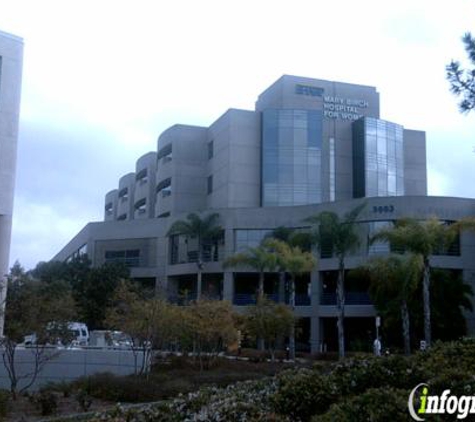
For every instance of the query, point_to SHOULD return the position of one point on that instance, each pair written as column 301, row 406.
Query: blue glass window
column 291, row 157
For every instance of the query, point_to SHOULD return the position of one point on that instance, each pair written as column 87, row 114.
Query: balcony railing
column 245, row 299
column 192, row 256
column 351, row 298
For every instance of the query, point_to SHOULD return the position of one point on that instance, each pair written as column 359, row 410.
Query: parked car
column 110, row 339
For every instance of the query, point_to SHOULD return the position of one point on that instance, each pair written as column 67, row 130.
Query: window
column 82, row 250
column 245, row 238
column 332, row 169
column 210, row 184
column 164, row 214
column 164, row 188
column 109, row 208
column 210, row 150
column 129, row 257
column 141, row 177
column 124, row 194
column 291, row 170
column 165, row 154
column 378, row 166
column 141, row 206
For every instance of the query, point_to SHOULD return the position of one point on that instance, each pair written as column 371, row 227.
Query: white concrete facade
column 11, row 62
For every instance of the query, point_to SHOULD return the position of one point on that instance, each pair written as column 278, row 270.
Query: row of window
column 129, row 257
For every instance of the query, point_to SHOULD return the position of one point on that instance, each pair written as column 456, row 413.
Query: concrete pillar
column 228, row 286
column 315, row 334
column 315, row 289
column 281, row 290
column 5, row 235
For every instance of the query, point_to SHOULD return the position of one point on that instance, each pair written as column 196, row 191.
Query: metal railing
column 351, row 298
column 245, row 299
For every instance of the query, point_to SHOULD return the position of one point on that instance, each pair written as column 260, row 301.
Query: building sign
column 343, row 108
column 380, row 209
column 312, row 91
column 334, row 107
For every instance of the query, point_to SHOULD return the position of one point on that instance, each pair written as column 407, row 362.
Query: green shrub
column 303, row 393
column 354, row 376
column 46, row 401
column 84, row 400
column 128, row 389
column 385, row 404
column 64, row 387
column 445, row 355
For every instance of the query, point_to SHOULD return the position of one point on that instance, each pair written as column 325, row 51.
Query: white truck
column 79, row 335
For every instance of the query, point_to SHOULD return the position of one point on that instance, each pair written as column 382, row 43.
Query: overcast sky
column 102, row 79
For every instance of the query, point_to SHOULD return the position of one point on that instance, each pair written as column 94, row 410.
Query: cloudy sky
column 102, row 79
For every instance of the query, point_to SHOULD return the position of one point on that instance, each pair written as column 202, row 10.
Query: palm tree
column 394, row 280
column 295, row 262
column 258, row 258
column 206, row 230
column 424, row 238
column 341, row 235
column 292, row 237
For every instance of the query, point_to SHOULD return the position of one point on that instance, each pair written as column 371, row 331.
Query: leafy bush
column 84, row 400
column 46, row 401
column 129, row 389
column 64, row 387
column 357, row 389
column 373, row 405
column 303, row 393
column 244, row 401
column 355, row 376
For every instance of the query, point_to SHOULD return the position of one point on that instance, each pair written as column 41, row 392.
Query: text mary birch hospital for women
column 310, row 145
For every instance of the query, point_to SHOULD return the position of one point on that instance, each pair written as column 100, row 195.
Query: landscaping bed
column 355, row 390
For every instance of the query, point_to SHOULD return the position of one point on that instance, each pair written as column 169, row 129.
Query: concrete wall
column 415, row 166
column 11, row 62
column 236, row 162
column 68, row 365
column 145, row 183
column 125, row 204
column 110, row 205
column 187, row 170
column 147, row 247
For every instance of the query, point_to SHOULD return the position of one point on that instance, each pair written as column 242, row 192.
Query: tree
column 269, row 321
column 208, row 326
column 206, row 230
column 35, row 308
column 149, row 321
column 341, row 236
column 295, row 262
column 450, row 297
column 94, row 290
column 462, row 81
column 423, row 238
column 394, row 282
column 258, row 258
